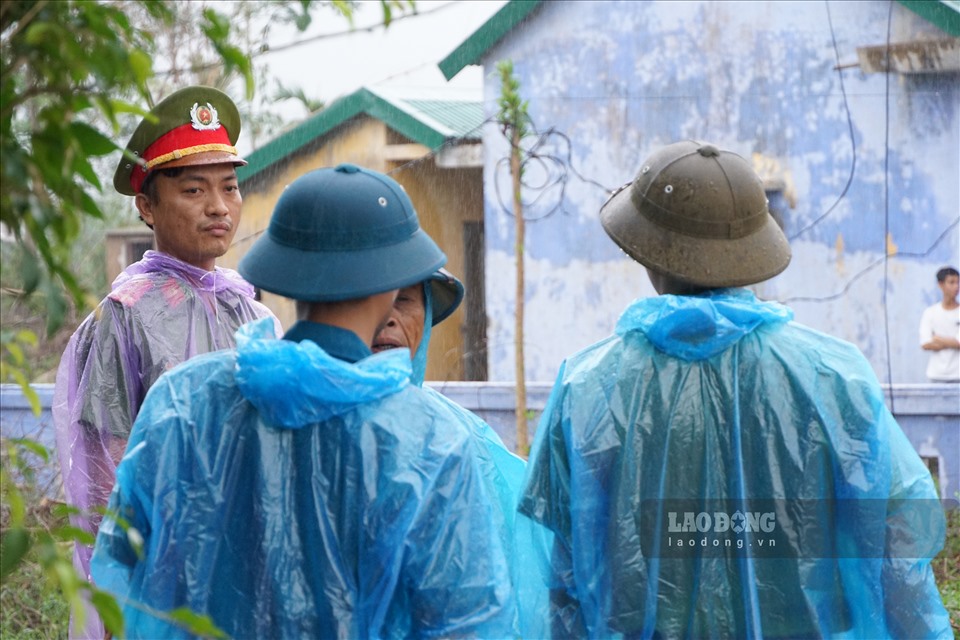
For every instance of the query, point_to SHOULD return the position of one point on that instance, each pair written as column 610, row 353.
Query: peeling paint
column 858, row 167
column 775, row 177
column 925, row 56
column 839, row 247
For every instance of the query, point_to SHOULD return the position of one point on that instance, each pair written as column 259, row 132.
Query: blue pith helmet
column 446, row 293
column 340, row 234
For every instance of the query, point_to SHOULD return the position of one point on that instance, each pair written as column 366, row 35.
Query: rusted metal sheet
column 925, row 56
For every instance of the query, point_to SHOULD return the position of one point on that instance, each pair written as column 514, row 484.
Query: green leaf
column 16, row 352
column 63, row 510
column 195, row 623
column 26, row 337
column 33, row 399
column 34, row 446
column 69, row 533
column 66, row 575
column 109, row 611
column 217, row 26
column 141, row 64
column 90, row 206
column 30, row 272
column 302, row 21
column 18, row 376
column 13, row 547
column 17, row 507
column 56, row 308
column 92, row 141
column 39, row 32
column 345, row 7
column 85, row 169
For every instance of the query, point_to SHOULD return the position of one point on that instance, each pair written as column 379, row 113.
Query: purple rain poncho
column 160, row 312
column 287, row 494
column 705, row 407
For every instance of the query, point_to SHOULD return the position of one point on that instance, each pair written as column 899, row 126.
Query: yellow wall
column 444, row 200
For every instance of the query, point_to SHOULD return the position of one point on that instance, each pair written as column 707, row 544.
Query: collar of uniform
column 339, row 343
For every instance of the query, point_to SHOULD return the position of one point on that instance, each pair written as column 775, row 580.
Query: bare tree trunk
column 523, row 439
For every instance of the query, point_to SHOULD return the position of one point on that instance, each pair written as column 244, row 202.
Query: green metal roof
column 942, row 13
column 460, row 118
column 430, row 122
column 489, row 33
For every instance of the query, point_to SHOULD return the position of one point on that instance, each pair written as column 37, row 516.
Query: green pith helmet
column 698, row 214
column 192, row 126
column 340, row 234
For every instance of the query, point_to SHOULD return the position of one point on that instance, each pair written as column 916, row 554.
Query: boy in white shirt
column 940, row 330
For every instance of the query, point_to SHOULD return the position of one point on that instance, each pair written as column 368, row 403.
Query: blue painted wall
column 865, row 163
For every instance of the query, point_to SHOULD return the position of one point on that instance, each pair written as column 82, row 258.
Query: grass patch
column 946, row 567
column 30, row 607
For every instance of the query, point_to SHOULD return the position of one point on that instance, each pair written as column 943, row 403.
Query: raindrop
column 668, row 188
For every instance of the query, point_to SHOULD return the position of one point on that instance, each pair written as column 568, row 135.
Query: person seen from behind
column 714, row 469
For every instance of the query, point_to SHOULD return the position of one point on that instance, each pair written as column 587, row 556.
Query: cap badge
column 204, row 118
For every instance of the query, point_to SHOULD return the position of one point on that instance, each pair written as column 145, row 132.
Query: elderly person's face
column 404, row 328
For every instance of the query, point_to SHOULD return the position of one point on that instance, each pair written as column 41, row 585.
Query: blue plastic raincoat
column 716, row 470
column 286, row 493
column 503, row 474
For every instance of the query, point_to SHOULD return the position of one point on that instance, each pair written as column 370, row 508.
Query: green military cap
column 195, row 125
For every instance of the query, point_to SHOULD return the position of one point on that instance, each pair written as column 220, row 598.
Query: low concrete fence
column 929, row 415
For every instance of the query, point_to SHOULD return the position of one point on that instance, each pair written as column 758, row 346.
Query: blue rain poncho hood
column 284, row 493
column 699, row 417
column 314, row 385
column 698, row 327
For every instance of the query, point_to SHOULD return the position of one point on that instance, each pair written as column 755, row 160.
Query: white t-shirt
column 944, row 365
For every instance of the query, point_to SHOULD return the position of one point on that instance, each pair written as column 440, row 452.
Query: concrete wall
column 928, row 414
column 859, row 164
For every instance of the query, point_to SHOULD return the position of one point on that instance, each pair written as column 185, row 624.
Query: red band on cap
column 177, row 143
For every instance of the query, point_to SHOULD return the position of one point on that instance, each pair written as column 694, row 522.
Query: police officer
column 175, row 303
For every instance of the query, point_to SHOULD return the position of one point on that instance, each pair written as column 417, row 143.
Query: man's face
column 196, row 213
column 950, row 287
column 404, row 328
